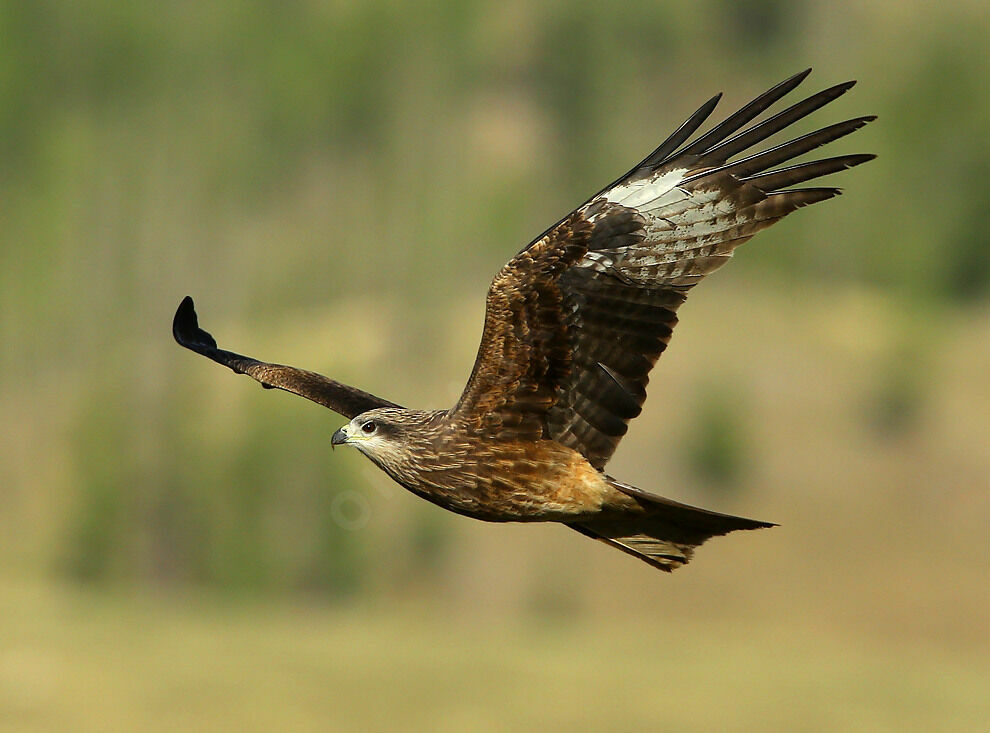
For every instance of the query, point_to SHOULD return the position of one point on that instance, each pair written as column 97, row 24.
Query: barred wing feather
column 576, row 321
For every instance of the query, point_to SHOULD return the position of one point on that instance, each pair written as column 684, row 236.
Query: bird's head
column 385, row 435
column 366, row 431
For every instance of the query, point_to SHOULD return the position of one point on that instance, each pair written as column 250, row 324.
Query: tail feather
column 665, row 532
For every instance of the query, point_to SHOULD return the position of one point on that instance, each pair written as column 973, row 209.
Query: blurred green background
column 335, row 183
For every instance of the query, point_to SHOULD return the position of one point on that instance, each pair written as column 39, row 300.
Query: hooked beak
column 339, row 438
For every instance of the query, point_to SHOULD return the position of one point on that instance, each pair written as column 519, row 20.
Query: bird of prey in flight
column 574, row 324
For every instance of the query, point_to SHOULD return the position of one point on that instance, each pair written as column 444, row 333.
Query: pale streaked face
column 373, row 433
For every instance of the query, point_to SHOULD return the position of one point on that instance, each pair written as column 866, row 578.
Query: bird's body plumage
column 509, row 480
column 574, row 323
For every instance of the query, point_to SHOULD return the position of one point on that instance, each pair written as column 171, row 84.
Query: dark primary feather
column 746, row 114
column 749, row 166
column 725, row 128
column 341, row 398
column 576, row 321
column 676, row 139
column 760, row 132
column 786, row 177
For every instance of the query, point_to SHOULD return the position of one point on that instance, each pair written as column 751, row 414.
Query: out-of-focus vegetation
column 335, row 183
column 92, row 663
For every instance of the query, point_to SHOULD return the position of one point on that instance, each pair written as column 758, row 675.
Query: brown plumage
column 573, row 326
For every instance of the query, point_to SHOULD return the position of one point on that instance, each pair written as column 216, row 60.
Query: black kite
column 574, row 324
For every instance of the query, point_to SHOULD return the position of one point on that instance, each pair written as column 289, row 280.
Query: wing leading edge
column 341, row 398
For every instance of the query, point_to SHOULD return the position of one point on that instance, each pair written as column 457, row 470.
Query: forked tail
column 665, row 533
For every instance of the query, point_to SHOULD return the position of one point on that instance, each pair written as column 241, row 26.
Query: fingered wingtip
column 185, row 322
column 186, row 330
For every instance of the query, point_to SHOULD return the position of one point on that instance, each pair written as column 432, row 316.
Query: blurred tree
column 715, row 442
column 967, row 276
column 761, row 27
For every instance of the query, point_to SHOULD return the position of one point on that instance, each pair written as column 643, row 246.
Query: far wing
column 348, row 401
column 576, row 321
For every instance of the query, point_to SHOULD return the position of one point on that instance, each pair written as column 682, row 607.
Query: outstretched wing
column 576, row 321
column 348, row 401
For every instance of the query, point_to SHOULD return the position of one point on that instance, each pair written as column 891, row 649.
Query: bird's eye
column 369, row 427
